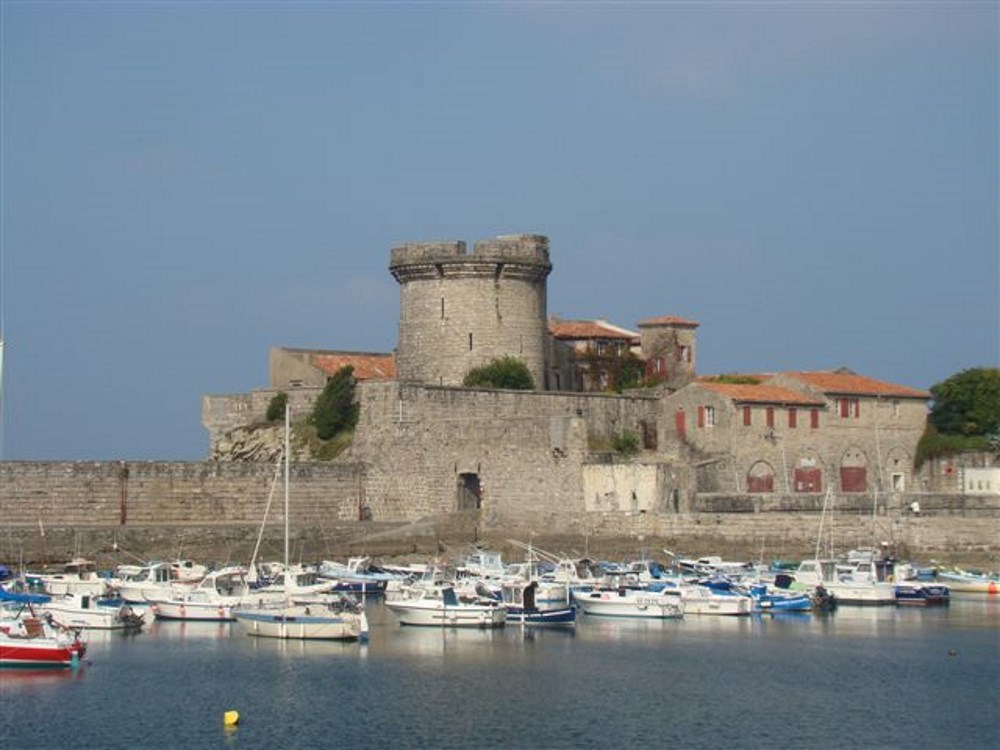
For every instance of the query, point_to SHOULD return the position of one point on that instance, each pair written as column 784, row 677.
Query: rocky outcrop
column 258, row 444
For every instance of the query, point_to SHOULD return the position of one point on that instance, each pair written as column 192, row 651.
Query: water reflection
column 18, row 678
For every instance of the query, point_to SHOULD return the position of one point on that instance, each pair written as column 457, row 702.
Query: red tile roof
column 585, row 329
column 366, row 366
column 669, row 320
column 850, row 383
column 760, row 394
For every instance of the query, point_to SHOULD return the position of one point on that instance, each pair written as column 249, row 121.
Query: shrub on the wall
column 335, row 409
column 276, row 408
column 505, row 372
column 626, row 443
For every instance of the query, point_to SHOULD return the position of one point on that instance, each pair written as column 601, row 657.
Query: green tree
column 335, row 409
column 968, row 403
column 505, row 372
column 276, row 408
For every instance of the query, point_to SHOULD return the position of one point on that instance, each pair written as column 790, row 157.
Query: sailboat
column 338, row 619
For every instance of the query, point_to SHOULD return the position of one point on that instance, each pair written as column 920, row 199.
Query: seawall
column 112, row 511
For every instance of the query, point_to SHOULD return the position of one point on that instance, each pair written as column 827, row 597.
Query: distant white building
column 981, row 480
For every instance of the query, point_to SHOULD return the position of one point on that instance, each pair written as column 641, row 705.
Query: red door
column 808, row 480
column 853, row 479
column 760, row 483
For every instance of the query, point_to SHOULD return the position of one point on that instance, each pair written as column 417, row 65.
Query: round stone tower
column 458, row 311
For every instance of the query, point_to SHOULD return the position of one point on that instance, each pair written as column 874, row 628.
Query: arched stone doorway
column 760, row 478
column 854, row 471
column 808, row 473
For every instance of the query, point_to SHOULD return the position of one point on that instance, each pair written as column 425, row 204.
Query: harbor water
column 857, row 678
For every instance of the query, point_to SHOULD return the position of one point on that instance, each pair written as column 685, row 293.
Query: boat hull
column 36, row 656
column 301, row 624
column 113, row 619
column 922, row 595
column 192, row 611
column 556, row 617
column 424, row 613
column 631, row 604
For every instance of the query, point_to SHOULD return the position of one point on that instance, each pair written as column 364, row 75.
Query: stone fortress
column 543, row 459
column 736, row 465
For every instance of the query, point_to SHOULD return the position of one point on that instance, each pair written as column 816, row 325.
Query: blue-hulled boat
column 767, row 600
column 519, row 601
column 920, row 594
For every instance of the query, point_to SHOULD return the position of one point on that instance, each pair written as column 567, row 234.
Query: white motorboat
column 86, row 612
column 441, row 607
column 79, row 576
column 212, row 599
column 138, row 585
column 633, row 603
column 845, row 587
column 703, row 600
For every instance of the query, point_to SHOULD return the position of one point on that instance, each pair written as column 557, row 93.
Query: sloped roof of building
column 367, row 366
column 669, row 320
column 587, row 329
column 749, row 393
column 849, row 383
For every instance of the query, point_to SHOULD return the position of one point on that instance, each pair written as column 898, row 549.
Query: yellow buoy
column 231, row 718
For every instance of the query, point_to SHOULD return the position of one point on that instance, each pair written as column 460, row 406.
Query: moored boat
column 522, row 608
column 342, row 621
column 32, row 641
column 441, row 607
column 212, row 599
column 78, row 576
column 89, row 613
column 633, row 603
column 919, row 594
column 969, row 583
column 845, row 587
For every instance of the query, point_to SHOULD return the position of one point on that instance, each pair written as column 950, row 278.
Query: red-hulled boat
column 30, row 641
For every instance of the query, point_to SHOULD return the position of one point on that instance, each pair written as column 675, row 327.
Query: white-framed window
column 710, row 416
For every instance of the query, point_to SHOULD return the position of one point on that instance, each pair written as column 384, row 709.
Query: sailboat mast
column 288, row 458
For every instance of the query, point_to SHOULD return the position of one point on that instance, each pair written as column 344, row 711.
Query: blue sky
column 187, row 184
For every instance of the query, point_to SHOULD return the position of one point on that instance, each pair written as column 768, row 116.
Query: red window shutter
column 679, row 423
column 814, row 418
column 770, row 416
column 792, row 417
column 701, row 416
column 857, row 408
column 746, row 416
column 844, row 409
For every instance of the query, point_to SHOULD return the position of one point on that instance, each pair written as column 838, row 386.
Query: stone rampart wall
column 213, row 511
column 138, row 493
